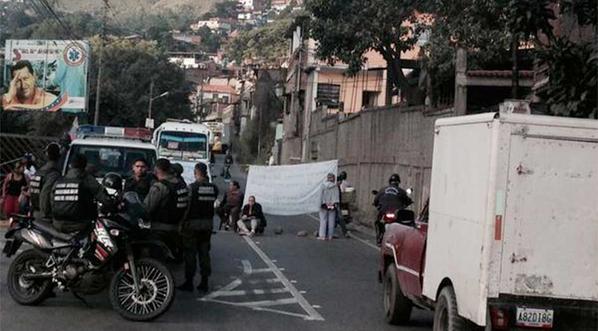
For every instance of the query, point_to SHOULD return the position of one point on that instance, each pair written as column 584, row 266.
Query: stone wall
column 372, row 145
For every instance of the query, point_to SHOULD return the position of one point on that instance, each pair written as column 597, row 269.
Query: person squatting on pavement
column 329, row 200
column 140, row 182
column 166, row 204
column 42, row 182
column 196, row 230
column 252, row 214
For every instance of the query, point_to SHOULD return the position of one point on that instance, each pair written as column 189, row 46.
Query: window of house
column 329, row 94
column 369, row 99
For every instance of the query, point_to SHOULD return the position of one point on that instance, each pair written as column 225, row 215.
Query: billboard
column 46, row 75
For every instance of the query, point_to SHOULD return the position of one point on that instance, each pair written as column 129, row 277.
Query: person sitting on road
column 252, row 214
column 232, row 202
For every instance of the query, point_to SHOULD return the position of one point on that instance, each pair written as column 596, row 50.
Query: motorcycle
column 387, row 217
column 108, row 254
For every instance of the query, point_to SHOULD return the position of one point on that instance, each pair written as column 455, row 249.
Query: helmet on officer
column 394, row 180
column 113, row 181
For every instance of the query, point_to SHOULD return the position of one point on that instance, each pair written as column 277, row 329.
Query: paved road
column 271, row 282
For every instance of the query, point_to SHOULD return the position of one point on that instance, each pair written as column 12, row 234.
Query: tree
column 267, row 44
column 210, row 41
column 347, row 29
column 491, row 26
column 128, row 71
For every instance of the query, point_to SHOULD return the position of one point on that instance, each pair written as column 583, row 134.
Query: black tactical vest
column 203, row 196
column 72, row 201
column 36, row 184
column 178, row 201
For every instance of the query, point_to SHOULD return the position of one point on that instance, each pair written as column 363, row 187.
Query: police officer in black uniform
column 166, row 203
column 73, row 205
column 197, row 230
column 42, row 182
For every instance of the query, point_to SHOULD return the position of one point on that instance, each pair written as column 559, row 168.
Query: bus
column 184, row 142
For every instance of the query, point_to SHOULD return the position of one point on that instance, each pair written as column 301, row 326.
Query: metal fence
column 15, row 146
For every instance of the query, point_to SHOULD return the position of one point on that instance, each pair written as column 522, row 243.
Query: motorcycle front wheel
column 155, row 294
column 27, row 290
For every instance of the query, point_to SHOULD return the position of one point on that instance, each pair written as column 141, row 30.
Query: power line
column 65, row 26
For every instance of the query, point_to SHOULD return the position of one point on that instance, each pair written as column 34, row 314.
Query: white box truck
column 511, row 237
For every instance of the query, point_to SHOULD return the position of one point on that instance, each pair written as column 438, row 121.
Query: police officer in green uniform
column 197, row 229
column 73, row 205
column 166, row 203
column 42, row 182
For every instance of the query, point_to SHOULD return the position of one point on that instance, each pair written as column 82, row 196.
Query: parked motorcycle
column 109, row 254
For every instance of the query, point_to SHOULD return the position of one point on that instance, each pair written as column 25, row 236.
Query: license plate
column 537, row 318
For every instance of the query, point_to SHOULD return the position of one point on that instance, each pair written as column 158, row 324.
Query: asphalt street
column 268, row 282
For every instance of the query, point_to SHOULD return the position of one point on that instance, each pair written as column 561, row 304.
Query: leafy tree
column 210, row 41
column 126, row 76
column 347, row 29
column 226, row 9
column 267, row 44
column 487, row 28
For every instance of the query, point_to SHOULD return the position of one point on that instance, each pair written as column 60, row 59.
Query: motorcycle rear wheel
column 155, row 296
column 28, row 291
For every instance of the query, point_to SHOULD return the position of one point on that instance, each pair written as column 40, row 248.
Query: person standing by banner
column 329, row 203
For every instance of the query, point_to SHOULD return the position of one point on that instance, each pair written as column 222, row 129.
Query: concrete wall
column 372, row 145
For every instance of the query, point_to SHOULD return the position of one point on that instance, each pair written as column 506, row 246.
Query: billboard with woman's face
column 46, row 75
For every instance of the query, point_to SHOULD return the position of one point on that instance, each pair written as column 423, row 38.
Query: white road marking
column 263, row 270
column 313, row 314
column 369, row 244
column 243, row 292
column 247, row 269
column 262, row 281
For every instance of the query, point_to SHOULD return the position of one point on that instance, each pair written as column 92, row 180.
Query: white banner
column 289, row 189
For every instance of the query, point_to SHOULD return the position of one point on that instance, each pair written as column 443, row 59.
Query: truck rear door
column 550, row 242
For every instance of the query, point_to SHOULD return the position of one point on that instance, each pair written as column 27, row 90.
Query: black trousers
column 196, row 246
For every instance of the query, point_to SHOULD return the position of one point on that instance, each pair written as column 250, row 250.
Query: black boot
column 187, row 286
column 203, row 285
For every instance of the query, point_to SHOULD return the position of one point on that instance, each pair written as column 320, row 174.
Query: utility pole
column 151, row 98
column 96, row 115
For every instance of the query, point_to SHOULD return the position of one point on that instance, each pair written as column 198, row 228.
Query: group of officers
column 181, row 215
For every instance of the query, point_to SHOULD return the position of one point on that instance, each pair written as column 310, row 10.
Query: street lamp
column 149, row 123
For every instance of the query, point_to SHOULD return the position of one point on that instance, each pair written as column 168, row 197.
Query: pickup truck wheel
column 397, row 307
column 446, row 317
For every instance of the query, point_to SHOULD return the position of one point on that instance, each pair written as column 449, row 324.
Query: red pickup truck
column 403, row 247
